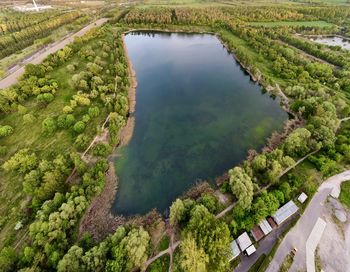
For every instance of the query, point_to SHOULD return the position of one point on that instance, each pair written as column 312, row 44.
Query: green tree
column 49, row 125
column 297, row 143
column 6, row 131
column 242, row 187
column 177, row 211
column 192, row 258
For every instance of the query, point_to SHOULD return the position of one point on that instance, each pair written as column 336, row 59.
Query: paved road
column 40, row 56
column 298, row 236
column 265, row 246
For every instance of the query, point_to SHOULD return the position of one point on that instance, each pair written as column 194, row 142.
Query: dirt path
column 40, row 56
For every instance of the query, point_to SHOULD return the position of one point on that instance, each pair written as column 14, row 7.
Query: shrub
column 79, row 127
column 5, row 131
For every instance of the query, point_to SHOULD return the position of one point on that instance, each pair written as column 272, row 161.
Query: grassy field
column 293, row 23
column 344, row 196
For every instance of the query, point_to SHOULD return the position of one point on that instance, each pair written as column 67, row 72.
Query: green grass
column 287, row 263
column 293, row 23
column 344, row 196
column 257, row 264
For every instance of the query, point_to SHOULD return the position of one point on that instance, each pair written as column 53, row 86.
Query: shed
column 244, row 241
column 265, row 227
column 250, row 250
column 286, row 211
column 257, row 233
column 302, row 197
column 235, row 251
column 271, row 222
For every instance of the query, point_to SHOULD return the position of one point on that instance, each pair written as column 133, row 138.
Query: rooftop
column 302, row 197
column 234, row 249
column 265, row 227
column 285, row 212
column 244, row 241
column 250, row 250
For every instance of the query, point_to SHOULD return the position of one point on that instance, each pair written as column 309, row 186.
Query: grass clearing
column 293, row 23
column 344, row 196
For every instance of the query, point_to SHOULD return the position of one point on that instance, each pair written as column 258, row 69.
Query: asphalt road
column 298, row 236
column 41, row 55
column 265, row 246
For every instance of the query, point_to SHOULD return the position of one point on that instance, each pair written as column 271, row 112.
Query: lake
column 197, row 114
column 333, row 41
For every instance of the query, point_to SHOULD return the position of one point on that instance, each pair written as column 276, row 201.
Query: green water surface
column 197, row 114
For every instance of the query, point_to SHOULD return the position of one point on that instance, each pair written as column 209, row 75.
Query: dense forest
column 51, row 117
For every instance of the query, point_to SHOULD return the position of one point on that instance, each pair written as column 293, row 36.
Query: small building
column 286, row 211
column 257, row 233
column 271, row 222
column 250, row 250
column 244, row 241
column 235, row 251
column 265, row 227
column 302, row 197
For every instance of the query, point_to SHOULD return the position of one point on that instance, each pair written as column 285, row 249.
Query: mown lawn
column 293, row 23
column 344, row 196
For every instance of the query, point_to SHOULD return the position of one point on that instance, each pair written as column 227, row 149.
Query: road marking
column 312, row 242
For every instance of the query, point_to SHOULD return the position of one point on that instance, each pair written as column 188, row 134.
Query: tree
column 49, row 125
column 212, row 235
column 23, row 161
column 297, row 143
column 266, row 204
column 192, row 257
column 71, row 261
column 136, row 245
column 5, row 131
column 79, row 127
column 8, row 258
column 177, row 211
column 242, row 187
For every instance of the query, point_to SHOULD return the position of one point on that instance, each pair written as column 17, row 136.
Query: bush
column 102, row 150
column 5, row 131
column 79, row 127
column 82, row 142
column 49, row 125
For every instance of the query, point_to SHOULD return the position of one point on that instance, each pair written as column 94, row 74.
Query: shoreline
column 92, row 221
column 98, row 220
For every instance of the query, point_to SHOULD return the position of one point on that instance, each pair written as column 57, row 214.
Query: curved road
column 40, row 56
column 298, row 236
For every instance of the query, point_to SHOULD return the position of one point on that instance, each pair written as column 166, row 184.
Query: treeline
column 337, row 57
column 16, row 41
column 12, row 21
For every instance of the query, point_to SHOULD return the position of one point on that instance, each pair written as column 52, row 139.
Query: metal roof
column 250, row 250
column 302, row 197
column 235, row 251
column 285, row 212
column 244, row 241
column 265, row 227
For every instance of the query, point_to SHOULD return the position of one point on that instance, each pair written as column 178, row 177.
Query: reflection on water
column 197, row 114
column 333, row 41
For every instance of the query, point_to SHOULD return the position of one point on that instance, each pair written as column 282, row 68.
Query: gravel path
column 40, row 56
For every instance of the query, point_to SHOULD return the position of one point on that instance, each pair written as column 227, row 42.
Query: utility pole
column 36, row 7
